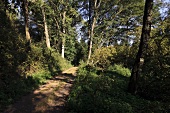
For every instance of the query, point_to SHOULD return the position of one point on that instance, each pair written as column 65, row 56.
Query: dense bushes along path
column 48, row 98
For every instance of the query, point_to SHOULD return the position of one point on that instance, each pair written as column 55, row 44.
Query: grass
column 107, row 93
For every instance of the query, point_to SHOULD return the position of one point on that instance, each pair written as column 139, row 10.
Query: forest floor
column 48, row 98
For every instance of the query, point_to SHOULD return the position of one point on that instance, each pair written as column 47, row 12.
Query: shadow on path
column 48, row 98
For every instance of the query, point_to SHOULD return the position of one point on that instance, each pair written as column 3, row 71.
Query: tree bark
column 92, row 26
column 46, row 29
column 25, row 9
column 133, row 84
column 63, row 32
column 89, row 30
column 91, row 39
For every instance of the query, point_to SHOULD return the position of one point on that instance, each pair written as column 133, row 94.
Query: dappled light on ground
column 70, row 71
column 48, row 98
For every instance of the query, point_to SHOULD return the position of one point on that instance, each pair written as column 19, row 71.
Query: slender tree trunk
column 57, row 26
column 91, row 39
column 25, row 8
column 58, row 29
column 92, row 26
column 89, row 30
column 133, row 84
column 64, row 32
column 46, row 29
column 27, row 34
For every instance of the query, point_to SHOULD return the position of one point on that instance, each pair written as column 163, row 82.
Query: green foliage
column 23, row 67
column 125, row 54
column 154, row 83
column 40, row 59
column 41, row 77
column 13, row 88
column 55, row 62
column 103, row 57
column 70, row 49
column 106, row 94
column 119, row 69
column 81, row 52
column 40, row 64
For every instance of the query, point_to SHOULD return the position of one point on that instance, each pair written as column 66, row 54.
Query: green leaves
column 119, row 69
column 103, row 57
column 106, row 93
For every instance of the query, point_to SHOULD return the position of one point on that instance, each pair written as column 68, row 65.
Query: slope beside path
column 48, row 98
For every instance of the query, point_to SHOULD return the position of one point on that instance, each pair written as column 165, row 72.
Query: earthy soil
column 48, row 98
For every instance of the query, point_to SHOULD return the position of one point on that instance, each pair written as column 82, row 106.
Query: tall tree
column 104, row 20
column 92, row 23
column 63, row 31
column 65, row 17
column 25, row 9
column 38, row 21
column 132, row 88
column 45, row 28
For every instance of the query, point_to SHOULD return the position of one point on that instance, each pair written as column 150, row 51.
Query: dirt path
column 48, row 98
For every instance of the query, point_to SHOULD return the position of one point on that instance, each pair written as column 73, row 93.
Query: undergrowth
column 105, row 92
column 28, row 70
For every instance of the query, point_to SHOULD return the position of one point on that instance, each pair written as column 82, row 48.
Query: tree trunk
column 92, row 26
column 63, row 32
column 25, row 9
column 133, row 84
column 46, row 29
column 91, row 39
column 89, row 30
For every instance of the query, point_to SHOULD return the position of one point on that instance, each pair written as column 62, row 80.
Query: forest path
column 48, row 98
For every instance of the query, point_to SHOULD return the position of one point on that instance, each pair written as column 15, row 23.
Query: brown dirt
column 48, row 98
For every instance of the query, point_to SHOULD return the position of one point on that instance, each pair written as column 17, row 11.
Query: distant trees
column 65, row 16
column 109, row 21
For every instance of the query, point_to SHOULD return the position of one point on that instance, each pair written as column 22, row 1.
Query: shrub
column 94, row 93
column 41, row 77
column 26, row 70
column 103, row 57
column 105, row 94
column 40, row 59
column 126, row 54
column 119, row 69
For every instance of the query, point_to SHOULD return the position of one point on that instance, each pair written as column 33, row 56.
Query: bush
column 27, row 70
column 155, row 80
column 93, row 93
column 126, row 54
column 105, row 94
column 103, row 57
column 85, row 69
column 23, row 67
column 41, row 77
column 13, row 88
column 42, row 59
column 119, row 69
